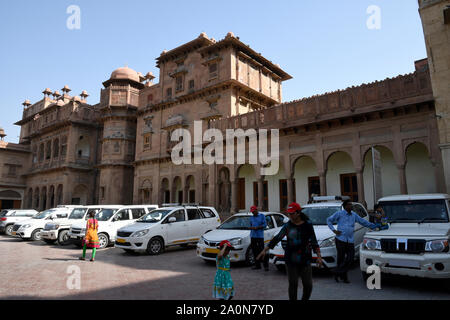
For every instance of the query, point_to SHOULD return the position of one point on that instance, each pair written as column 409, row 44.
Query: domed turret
column 125, row 73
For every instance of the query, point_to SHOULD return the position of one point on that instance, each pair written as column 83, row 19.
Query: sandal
column 92, row 260
column 81, row 258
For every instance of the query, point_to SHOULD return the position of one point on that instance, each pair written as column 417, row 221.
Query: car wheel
column 249, row 257
column 63, row 237
column 48, row 241
column 103, row 240
column 8, row 229
column 36, row 235
column 155, row 246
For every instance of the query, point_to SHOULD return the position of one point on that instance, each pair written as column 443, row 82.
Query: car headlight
column 330, row 242
column 55, row 227
column 25, row 226
column 201, row 241
column 372, row 244
column 141, row 233
column 437, row 246
column 235, row 241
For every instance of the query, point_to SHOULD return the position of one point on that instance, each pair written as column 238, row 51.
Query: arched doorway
column 59, row 195
column 10, row 199
column 37, row 199
column 51, row 196
column 165, row 192
column 420, row 176
column 341, row 176
column 389, row 175
column 190, row 189
column 44, row 201
column 306, row 179
column 245, row 192
column 177, row 190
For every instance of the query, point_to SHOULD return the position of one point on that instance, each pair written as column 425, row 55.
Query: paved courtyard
column 35, row 270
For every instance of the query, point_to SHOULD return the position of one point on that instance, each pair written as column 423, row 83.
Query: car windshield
column 77, row 213
column 105, row 214
column 416, row 211
column 153, row 216
column 236, row 223
column 44, row 214
column 319, row 215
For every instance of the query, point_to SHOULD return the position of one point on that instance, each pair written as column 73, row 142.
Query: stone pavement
column 35, row 270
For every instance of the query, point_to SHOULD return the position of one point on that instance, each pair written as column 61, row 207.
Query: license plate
column 404, row 263
column 13, row 233
column 209, row 250
column 73, row 237
column 120, row 240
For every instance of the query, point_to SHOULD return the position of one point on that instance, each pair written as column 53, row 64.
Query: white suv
column 31, row 228
column 236, row 230
column 318, row 212
column 110, row 219
column 10, row 216
column 167, row 226
column 417, row 241
column 59, row 231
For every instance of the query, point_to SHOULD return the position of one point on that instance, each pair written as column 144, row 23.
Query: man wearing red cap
column 257, row 225
column 301, row 239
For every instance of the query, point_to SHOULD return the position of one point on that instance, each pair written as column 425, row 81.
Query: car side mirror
column 116, row 218
column 172, row 219
column 285, row 220
column 53, row 216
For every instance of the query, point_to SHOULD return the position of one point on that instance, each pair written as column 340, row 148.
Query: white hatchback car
column 318, row 214
column 110, row 219
column 31, row 228
column 236, row 230
column 9, row 217
column 167, row 226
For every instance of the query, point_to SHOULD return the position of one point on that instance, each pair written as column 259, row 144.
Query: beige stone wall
column 437, row 39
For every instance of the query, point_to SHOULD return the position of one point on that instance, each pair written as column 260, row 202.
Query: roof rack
column 330, row 198
column 177, row 204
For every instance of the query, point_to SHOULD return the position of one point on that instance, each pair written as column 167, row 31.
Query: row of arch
column 45, row 197
column 244, row 187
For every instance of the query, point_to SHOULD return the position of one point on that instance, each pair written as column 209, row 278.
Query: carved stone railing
column 350, row 100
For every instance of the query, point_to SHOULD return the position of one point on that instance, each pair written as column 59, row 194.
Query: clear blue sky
column 325, row 45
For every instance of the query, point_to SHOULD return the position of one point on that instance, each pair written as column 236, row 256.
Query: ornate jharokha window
column 147, row 141
column 179, row 83
column 213, row 70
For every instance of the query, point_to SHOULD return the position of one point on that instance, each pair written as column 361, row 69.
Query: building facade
column 118, row 151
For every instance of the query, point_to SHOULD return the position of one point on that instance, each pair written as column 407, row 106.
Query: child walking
column 91, row 238
column 223, row 284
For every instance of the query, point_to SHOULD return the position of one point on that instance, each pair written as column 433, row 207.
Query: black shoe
column 266, row 268
column 256, row 268
column 336, row 277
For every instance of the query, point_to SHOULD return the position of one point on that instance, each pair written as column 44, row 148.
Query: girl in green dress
column 223, row 284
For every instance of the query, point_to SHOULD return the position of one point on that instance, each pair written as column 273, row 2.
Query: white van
column 110, row 219
column 417, row 241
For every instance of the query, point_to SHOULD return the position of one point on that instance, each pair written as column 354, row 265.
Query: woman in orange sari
column 91, row 238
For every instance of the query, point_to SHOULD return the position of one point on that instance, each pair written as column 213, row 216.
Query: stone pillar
column 360, row 183
column 260, row 193
column 290, row 190
column 402, row 179
column 234, row 187
column 323, row 183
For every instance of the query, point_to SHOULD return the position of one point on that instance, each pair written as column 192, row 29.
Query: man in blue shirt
column 345, row 243
column 257, row 225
